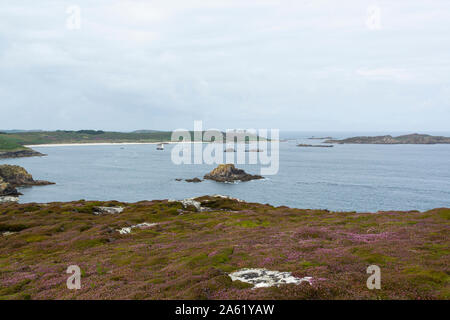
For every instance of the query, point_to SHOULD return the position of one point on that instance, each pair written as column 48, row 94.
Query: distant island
column 414, row 138
column 13, row 143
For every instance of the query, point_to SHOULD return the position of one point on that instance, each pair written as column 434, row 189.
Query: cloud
column 392, row 74
column 233, row 63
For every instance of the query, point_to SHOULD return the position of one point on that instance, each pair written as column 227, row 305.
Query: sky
column 348, row 65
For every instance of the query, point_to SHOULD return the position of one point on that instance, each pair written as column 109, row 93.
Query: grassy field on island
column 17, row 140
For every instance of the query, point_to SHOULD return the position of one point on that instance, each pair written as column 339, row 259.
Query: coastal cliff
column 12, row 177
column 414, row 138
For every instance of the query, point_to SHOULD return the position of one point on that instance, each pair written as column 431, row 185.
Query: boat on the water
column 160, row 146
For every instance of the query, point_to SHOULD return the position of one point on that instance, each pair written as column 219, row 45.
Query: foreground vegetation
column 188, row 254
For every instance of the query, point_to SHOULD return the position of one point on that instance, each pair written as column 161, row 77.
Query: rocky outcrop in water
column 229, row 173
column 12, row 177
column 405, row 139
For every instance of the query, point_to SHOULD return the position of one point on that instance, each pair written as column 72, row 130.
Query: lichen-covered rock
column 262, row 278
column 107, row 210
column 229, row 173
column 15, row 176
column 18, row 176
column 8, row 199
column 6, row 189
column 143, row 225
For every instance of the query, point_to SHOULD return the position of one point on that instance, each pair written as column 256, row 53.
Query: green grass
column 189, row 256
column 16, row 141
column 8, row 144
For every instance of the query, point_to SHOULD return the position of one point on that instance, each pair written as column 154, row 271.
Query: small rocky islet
column 229, row 173
column 226, row 173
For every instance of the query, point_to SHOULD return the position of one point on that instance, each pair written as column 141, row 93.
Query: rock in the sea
column 107, row 210
column 229, row 173
column 195, row 180
column 261, row 278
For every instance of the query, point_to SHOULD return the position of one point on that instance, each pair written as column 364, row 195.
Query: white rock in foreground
column 144, row 225
column 262, row 278
column 190, row 202
column 6, row 199
column 8, row 233
column 107, row 210
column 227, row 197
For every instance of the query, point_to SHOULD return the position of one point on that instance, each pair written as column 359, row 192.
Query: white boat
column 160, row 146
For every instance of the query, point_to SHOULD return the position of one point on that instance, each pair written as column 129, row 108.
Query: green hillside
column 8, row 144
column 16, row 141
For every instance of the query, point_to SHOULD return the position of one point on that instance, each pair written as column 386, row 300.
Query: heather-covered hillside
column 185, row 250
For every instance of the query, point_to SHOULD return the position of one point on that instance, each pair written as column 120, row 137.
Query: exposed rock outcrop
column 144, row 225
column 12, row 177
column 229, row 173
column 19, row 177
column 8, row 199
column 6, row 189
column 262, row 278
column 405, row 139
column 107, row 210
column 195, row 180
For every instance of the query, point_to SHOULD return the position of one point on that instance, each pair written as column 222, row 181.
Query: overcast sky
column 351, row 65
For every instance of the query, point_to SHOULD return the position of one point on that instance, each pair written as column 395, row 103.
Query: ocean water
column 344, row 178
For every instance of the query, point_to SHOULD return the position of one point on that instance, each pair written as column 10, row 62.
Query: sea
column 361, row 178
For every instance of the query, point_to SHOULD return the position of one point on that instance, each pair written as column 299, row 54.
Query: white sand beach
column 103, row 144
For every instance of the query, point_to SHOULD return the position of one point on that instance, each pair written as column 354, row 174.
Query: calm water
column 346, row 177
